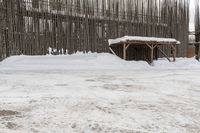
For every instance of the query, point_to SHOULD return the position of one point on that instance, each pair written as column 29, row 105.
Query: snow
column 140, row 38
column 98, row 93
column 72, row 62
column 91, row 61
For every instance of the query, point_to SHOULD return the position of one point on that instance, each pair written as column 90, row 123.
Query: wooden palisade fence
column 30, row 27
column 197, row 28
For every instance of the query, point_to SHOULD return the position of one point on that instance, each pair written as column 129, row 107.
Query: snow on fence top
column 143, row 39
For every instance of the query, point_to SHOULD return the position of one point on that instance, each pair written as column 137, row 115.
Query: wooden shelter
column 152, row 43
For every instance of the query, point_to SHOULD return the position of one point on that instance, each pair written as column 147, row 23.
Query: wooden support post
column 197, row 51
column 124, row 51
column 174, row 52
column 127, row 46
column 164, row 54
column 198, row 54
column 151, row 46
column 152, row 53
column 111, row 50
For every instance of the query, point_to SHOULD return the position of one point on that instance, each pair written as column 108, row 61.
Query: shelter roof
column 142, row 39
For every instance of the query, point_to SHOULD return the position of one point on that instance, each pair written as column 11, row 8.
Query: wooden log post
column 164, row 54
column 125, row 47
column 111, row 50
column 152, row 54
column 152, row 47
column 8, row 31
column 197, row 51
column 174, row 52
column 124, row 51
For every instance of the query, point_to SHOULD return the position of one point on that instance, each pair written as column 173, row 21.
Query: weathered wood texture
column 197, row 28
column 197, row 20
column 30, row 27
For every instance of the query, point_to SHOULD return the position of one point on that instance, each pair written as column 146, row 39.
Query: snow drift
column 89, row 61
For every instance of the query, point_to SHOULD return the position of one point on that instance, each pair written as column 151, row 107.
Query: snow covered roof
column 143, row 39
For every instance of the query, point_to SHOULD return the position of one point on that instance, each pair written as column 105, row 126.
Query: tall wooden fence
column 197, row 27
column 30, row 27
column 197, row 20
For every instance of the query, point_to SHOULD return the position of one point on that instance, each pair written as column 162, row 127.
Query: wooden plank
column 164, row 54
column 111, row 50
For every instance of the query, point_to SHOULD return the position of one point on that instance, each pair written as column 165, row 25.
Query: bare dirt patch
column 61, row 85
column 11, row 125
column 8, row 113
column 124, row 88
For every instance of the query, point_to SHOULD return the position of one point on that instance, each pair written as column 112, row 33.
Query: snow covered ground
column 98, row 93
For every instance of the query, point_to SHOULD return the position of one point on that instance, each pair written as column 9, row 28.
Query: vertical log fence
column 30, row 27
